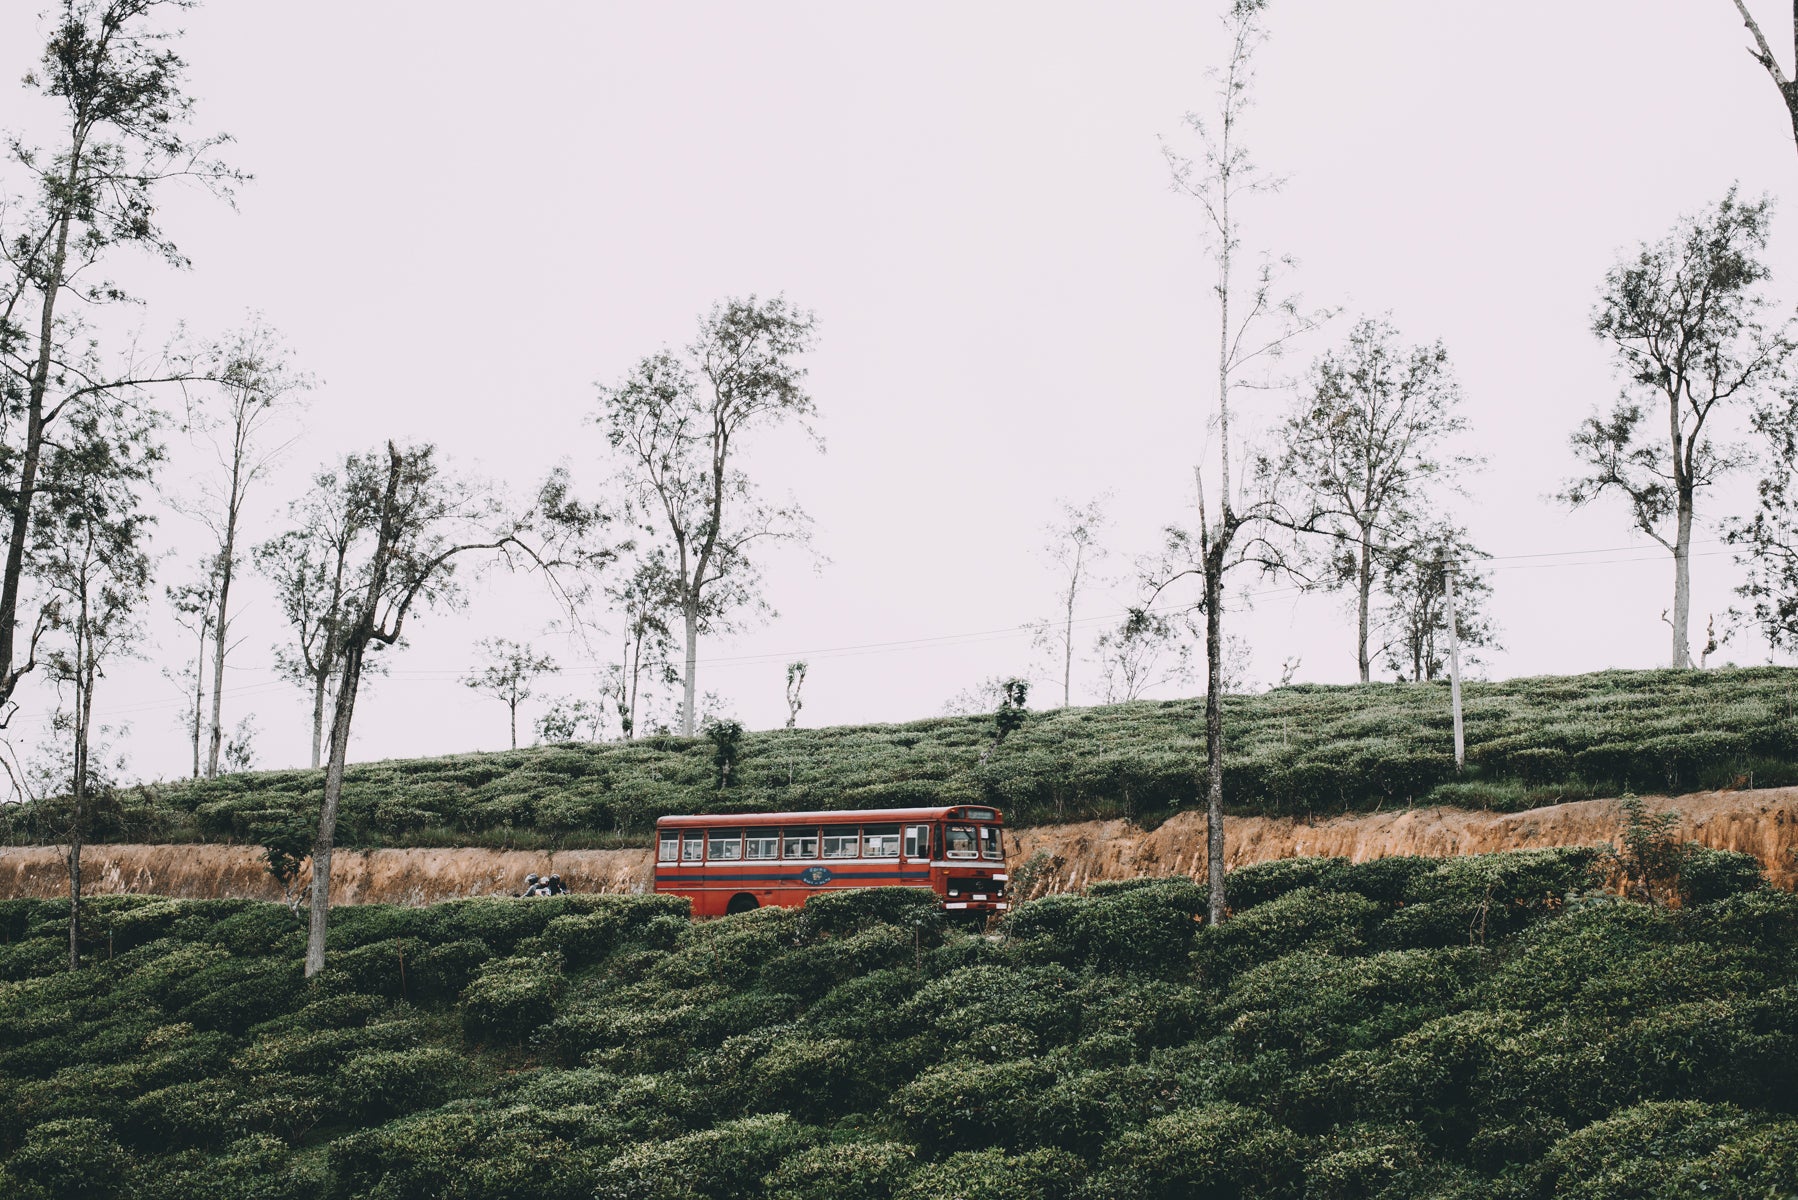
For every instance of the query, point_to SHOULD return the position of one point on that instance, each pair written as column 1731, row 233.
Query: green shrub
column 1332, row 922
column 1708, row 875
column 1633, row 1153
column 995, row 1175
column 725, row 1162
column 70, row 1159
column 205, row 1113
column 383, row 1083
column 970, row 1104
column 1217, row 1150
column 854, row 909
column 511, row 998
column 842, row 1171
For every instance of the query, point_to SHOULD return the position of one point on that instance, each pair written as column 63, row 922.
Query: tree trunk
column 513, row 705
column 688, row 719
column 319, row 685
column 1067, row 638
column 1214, row 732
column 327, row 816
column 200, row 693
column 218, row 647
column 1682, row 584
column 1364, row 587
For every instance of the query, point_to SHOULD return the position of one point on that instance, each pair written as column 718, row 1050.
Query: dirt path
column 1761, row 823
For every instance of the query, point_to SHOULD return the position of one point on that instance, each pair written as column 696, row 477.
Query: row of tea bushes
column 1481, row 1027
column 1296, row 750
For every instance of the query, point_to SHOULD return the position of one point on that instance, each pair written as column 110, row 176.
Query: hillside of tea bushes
column 1486, row 1027
column 1295, row 750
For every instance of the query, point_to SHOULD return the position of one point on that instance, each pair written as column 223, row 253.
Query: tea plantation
column 1406, row 1028
column 1295, row 750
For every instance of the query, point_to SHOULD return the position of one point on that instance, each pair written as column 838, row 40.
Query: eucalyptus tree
column 194, row 604
column 1416, row 612
column 510, row 674
column 1146, row 650
column 679, row 425
column 1072, row 545
column 95, row 567
column 1686, row 318
column 1368, row 442
column 1255, row 325
column 414, row 526
column 115, row 81
column 240, row 421
column 311, row 568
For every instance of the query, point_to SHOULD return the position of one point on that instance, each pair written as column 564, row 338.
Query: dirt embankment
column 1761, row 823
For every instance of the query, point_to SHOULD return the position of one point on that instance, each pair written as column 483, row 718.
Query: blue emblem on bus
column 815, row 876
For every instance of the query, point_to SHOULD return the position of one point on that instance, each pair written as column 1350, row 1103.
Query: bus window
column 990, row 845
column 799, row 843
column 958, row 842
column 880, row 841
column 917, row 841
column 668, row 846
column 726, row 845
column 841, row 843
column 762, row 843
column 692, row 846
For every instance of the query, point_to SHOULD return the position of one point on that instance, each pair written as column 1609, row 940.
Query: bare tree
column 1763, row 54
column 678, row 424
column 256, row 387
column 1230, row 528
column 510, row 674
column 415, row 525
column 194, row 605
column 1367, row 443
column 121, row 137
column 1072, row 545
column 1684, row 317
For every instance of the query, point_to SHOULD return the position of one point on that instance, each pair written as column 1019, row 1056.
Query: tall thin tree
column 1685, row 318
column 122, row 135
column 256, row 387
column 1369, row 442
column 1228, row 530
column 679, row 426
column 1072, row 543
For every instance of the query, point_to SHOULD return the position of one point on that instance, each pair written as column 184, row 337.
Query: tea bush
column 1299, row 751
column 1328, row 1042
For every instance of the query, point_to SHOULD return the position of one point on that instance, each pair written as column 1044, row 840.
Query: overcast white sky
column 464, row 215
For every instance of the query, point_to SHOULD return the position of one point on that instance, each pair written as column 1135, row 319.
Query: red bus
column 742, row 861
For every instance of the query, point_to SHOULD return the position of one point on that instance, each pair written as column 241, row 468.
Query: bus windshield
column 959, row 842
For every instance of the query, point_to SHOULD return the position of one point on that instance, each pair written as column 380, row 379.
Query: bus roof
column 961, row 812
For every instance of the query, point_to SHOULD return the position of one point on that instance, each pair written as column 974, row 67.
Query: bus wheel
column 742, row 902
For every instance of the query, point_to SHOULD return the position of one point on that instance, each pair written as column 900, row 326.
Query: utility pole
column 1454, row 668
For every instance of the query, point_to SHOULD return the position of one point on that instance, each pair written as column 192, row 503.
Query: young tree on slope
column 122, row 136
column 1768, row 540
column 510, row 673
column 194, row 604
column 96, row 570
column 1416, row 612
column 1147, row 650
column 1073, row 546
column 256, row 387
column 1366, row 441
column 642, row 594
column 414, row 526
column 679, row 425
column 1684, row 317
column 1230, row 529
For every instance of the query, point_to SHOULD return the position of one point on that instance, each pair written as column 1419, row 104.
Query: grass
column 1301, row 751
